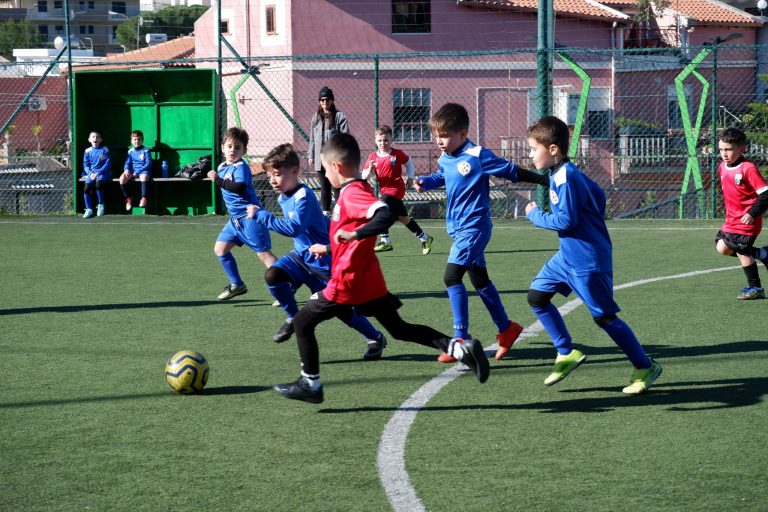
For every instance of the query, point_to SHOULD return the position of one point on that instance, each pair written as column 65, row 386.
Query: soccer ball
column 187, row 371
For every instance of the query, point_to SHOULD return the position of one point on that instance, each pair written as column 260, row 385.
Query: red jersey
column 356, row 276
column 389, row 172
column 741, row 185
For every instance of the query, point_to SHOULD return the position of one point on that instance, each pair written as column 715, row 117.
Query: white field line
column 390, row 459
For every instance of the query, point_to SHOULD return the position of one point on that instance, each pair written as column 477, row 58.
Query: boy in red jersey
column 745, row 195
column 356, row 277
column 386, row 165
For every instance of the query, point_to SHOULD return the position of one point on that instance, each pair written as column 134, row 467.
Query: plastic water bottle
column 165, row 169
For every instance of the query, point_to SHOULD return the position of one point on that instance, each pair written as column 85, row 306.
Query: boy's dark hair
column 236, row 134
column 733, row 136
column 550, row 130
column 97, row 132
column 450, row 117
column 384, row 130
column 343, row 148
column 281, row 156
column 136, row 132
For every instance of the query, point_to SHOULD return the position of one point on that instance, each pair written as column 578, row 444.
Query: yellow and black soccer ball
column 187, row 371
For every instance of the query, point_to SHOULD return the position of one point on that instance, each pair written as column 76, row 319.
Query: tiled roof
column 703, row 11
column 712, row 12
column 157, row 56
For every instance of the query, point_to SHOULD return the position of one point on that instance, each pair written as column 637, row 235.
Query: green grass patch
column 90, row 311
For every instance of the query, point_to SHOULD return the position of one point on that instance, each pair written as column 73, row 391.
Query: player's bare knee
column 604, row 320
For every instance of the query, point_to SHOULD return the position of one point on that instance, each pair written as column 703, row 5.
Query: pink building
column 368, row 53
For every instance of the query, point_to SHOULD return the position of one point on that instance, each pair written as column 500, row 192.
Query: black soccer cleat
column 299, row 390
column 375, row 348
column 284, row 333
column 475, row 358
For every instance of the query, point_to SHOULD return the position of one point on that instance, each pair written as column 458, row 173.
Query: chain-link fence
column 646, row 120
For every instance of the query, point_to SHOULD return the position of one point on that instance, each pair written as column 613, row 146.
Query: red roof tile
column 156, row 56
column 578, row 8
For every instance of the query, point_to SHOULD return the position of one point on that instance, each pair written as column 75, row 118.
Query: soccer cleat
column 642, row 379
column 751, row 293
column 128, row 204
column 100, row 210
column 299, row 390
column 375, row 348
column 445, row 358
column 143, row 202
column 276, row 304
column 382, row 247
column 474, row 357
column 507, row 338
column 284, row 332
column 88, row 213
column 426, row 245
column 564, row 364
column 233, row 290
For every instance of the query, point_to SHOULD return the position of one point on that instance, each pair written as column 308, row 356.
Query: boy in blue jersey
column 97, row 173
column 465, row 170
column 234, row 178
column 138, row 165
column 303, row 220
column 584, row 263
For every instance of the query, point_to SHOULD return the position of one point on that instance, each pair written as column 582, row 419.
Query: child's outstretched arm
column 379, row 223
column 434, row 180
column 567, row 215
column 502, row 168
column 292, row 226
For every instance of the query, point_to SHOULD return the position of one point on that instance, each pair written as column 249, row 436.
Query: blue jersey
column 238, row 172
column 96, row 160
column 466, row 176
column 138, row 160
column 578, row 216
column 303, row 220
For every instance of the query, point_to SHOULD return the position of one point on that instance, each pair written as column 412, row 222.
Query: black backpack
column 196, row 170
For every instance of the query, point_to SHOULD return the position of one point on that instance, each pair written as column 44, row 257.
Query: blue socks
column 623, row 336
column 144, row 188
column 493, row 304
column 125, row 192
column 362, row 325
column 88, row 201
column 283, row 292
column 230, row 268
column 460, row 307
column 100, row 195
column 553, row 323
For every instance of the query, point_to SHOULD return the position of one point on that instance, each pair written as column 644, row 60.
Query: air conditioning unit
column 36, row 104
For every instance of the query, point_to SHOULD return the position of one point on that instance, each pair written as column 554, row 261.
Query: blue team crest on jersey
column 464, row 168
column 553, row 197
column 737, row 178
column 141, row 156
column 290, row 214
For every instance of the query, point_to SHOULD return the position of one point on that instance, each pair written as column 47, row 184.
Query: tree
column 644, row 9
column 172, row 21
column 756, row 121
column 18, row 34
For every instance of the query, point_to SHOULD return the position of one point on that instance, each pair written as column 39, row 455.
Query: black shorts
column 319, row 307
column 395, row 205
column 740, row 244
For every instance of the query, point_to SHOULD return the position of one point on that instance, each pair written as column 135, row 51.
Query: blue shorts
column 88, row 180
column 595, row 290
column 301, row 273
column 468, row 249
column 137, row 175
column 244, row 231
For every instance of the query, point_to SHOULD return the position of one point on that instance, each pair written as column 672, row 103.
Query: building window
column 224, row 27
column 410, row 114
column 269, row 16
column 118, row 7
column 411, row 17
column 674, row 118
column 43, row 31
column 91, row 5
column 91, row 29
column 42, row 6
column 114, row 33
column 82, row 29
column 58, row 4
column 58, row 29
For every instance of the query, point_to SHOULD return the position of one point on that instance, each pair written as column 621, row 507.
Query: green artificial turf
column 90, row 311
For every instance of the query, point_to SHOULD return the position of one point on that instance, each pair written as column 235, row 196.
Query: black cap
column 325, row 92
